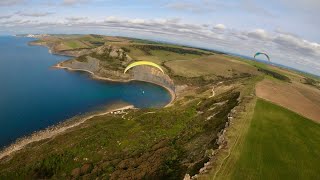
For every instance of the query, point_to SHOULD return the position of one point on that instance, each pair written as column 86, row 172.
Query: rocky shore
column 53, row 131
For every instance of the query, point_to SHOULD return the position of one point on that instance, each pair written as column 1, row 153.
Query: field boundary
column 234, row 135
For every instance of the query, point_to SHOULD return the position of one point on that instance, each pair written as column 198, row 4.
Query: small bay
column 33, row 95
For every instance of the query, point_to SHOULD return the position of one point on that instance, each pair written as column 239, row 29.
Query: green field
column 280, row 144
column 75, row 44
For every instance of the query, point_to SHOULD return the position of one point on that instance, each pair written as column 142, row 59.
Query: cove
column 33, row 95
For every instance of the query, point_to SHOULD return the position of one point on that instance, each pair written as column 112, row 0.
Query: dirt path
column 213, row 93
column 297, row 97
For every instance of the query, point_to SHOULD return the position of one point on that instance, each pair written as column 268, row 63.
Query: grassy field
column 280, row 144
column 291, row 74
column 216, row 65
column 160, row 53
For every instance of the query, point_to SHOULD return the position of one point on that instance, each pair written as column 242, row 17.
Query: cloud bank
column 71, row 16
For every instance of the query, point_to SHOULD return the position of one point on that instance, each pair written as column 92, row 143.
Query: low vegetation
column 149, row 143
column 148, row 48
column 312, row 82
column 275, row 74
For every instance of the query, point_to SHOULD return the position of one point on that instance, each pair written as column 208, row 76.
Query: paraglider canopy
column 139, row 63
column 261, row 53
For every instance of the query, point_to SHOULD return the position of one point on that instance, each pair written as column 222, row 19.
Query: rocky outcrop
column 112, row 51
column 106, row 61
column 91, row 64
column 140, row 73
column 109, row 61
column 94, row 66
column 72, row 53
column 222, row 141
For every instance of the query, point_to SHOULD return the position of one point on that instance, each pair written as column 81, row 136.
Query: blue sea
column 33, row 95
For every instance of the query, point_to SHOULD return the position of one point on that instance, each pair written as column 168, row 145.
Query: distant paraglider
column 261, row 53
column 139, row 63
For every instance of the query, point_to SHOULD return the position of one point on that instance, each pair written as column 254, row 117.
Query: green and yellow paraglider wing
column 140, row 63
column 261, row 53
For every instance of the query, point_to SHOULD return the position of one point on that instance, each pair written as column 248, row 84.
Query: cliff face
column 91, row 64
column 109, row 62
column 150, row 74
column 94, row 65
column 72, row 53
column 141, row 73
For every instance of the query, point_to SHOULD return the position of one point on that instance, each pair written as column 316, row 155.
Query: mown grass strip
column 280, row 144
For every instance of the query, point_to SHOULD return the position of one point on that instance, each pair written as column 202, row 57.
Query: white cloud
column 74, row 19
column 112, row 18
column 208, row 6
column 220, row 27
column 6, row 16
column 74, row 2
column 197, row 7
column 258, row 34
column 34, row 14
column 288, row 42
column 137, row 21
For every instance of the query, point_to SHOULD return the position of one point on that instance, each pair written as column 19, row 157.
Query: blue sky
column 288, row 30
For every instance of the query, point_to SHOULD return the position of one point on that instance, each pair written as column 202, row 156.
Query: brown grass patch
column 217, row 65
column 297, row 97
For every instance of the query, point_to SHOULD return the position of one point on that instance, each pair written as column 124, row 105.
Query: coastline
column 58, row 129
column 94, row 76
column 52, row 131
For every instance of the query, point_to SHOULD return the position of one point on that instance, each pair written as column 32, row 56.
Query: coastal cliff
column 109, row 62
column 104, row 61
column 148, row 74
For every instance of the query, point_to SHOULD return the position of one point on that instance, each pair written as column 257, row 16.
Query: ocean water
column 34, row 96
